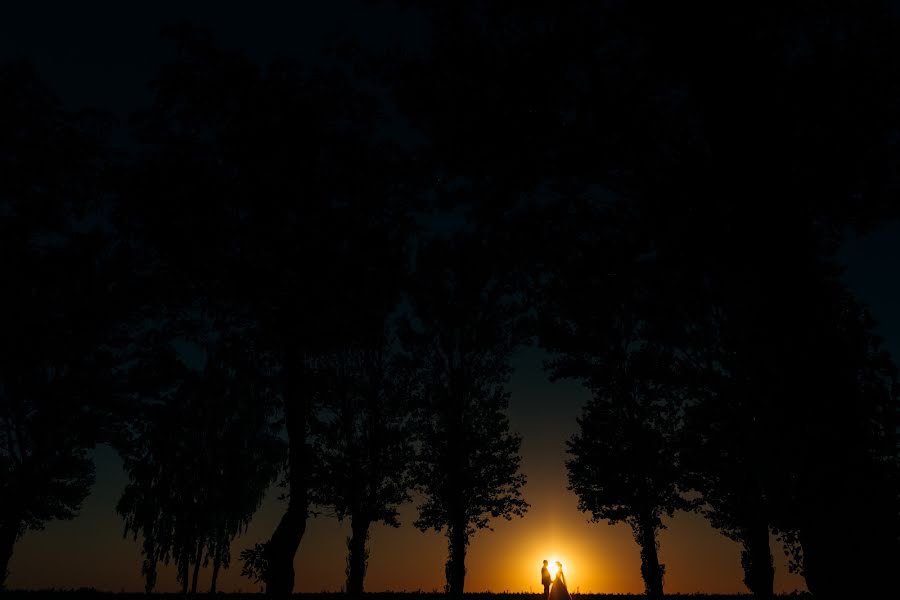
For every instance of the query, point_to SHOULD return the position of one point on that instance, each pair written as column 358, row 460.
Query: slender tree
column 201, row 456
column 364, row 444
column 725, row 454
column 624, row 457
column 467, row 324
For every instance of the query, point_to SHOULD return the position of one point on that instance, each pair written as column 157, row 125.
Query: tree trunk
column 282, row 547
column 842, row 560
column 456, row 562
column 217, row 562
column 829, row 565
column 358, row 555
column 756, row 558
column 150, row 574
column 183, row 568
column 651, row 570
column 197, row 559
column 9, row 533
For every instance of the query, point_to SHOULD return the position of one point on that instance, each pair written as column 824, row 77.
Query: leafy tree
column 363, row 444
column 268, row 194
column 789, row 367
column 244, row 450
column 841, row 449
column 56, row 258
column 727, row 465
column 726, row 457
column 254, row 563
column 200, row 458
column 624, row 457
column 467, row 323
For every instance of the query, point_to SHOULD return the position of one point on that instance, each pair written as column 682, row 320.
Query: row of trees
column 252, row 292
column 245, row 324
column 764, row 401
column 696, row 183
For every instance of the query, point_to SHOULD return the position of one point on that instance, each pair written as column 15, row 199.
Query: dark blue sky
column 873, row 272
column 104, row 54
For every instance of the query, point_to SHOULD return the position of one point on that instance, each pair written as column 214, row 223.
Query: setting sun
column 553, row 567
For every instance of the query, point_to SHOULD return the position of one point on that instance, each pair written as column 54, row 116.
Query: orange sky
column 91, row 552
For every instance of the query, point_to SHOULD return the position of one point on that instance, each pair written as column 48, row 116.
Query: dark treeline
column 315, row 277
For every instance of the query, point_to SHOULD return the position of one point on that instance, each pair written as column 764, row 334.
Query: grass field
column 95, row 595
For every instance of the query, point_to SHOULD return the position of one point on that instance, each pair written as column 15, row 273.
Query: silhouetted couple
column 558, row 591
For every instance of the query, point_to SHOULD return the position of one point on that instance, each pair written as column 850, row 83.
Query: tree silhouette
column 727, row 458
column 467, row 323
column 363, row 444
column 841, row 448
column 56, row 306
column 268, row 195
column 782, row 359
column 200, row 457
column 624, row 457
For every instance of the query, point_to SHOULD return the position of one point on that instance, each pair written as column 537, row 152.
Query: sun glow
column 554, row 568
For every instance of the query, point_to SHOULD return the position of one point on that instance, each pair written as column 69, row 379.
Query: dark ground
column 92, row 595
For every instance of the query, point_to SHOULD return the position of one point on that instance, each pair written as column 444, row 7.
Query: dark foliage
column 363, row 443
column 57, row 305
column 201, row 454
column 624, row 457
column 244, row 204
column 662, row 197
column 467, row 323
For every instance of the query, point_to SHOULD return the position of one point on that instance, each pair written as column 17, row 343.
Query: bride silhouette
column 559, row 591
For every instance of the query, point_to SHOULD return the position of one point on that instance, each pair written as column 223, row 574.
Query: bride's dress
column 560, row 591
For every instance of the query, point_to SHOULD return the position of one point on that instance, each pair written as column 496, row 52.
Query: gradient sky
column 104, row 55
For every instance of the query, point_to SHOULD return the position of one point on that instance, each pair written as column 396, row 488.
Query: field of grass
column 95, row 595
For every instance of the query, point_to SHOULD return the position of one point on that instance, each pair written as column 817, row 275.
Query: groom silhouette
column 545, row 580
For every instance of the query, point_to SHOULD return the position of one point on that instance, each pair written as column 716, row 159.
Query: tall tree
column 841, row 449
column 624, row 465
column 56, row 257
column 271, row 196
column 776, row 346
column 467, row 323
column 728, row 455
column 363, row 444
column 200, row 456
